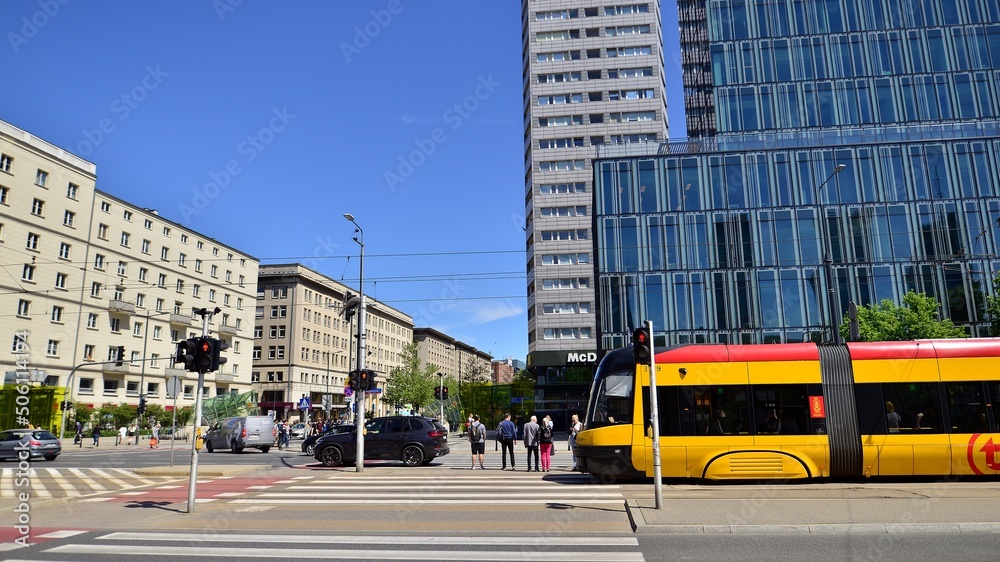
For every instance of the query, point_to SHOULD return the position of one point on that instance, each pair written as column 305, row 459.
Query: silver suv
column 237, row 434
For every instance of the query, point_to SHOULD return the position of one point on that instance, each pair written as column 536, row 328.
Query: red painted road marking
column 206, row 489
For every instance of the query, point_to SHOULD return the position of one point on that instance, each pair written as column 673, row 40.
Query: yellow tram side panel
column 734, row 456
column 972, row 454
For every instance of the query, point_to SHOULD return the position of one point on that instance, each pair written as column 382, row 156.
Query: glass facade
column 722, row 238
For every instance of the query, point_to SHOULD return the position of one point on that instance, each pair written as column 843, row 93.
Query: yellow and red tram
column 795, row 411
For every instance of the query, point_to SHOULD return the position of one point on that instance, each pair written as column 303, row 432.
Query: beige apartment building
column 305, row 345
column 89, row 273
column 450, row 355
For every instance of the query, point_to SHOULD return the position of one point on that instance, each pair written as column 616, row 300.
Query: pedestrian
column 477, row 437
column 96, row 434
column 122, row 432
column 468, row 424
column 154, row 443
column 78, row 438
column 575, row 427
column 545, row 442
column 132, row 434
column 506, row 433
column 531, row 441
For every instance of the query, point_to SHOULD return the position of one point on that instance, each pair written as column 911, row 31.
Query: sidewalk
column 815, row 509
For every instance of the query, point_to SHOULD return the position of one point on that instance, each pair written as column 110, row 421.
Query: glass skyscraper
column 721, row 238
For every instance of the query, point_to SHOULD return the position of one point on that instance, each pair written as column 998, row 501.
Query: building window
column 197, row 265
column 214, row 271
column 137, row 328
column 60, row 280
column 164, row 253
column 180, row 285
column 69, row 218
column 195, row 290
column 91, row 320
column 102, row 231
column 256, row 353
column 140, row 300
column 37, row 207
column 147, row 224
column 166, row 231
column 258, row 332
column 184, row 238
column 127, row 215
column 105, row 206
column 181, row 259
column 126, row 239
column 88, row 352
column 143, row 274
column 41, row 177
column 23, row 307
column 99, row 261
column 211, row 295
column 110, row 387
column 28, row 273
column 116, row 325
column 32, row 243
column 161, row 280
column 57, row 312
column 95, row 289
column 4, row 192
column 157, row 332
column 144, row 247
column 279, row 292
column 5, row 163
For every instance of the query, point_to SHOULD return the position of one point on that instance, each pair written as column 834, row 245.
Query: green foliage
column 915, row 319
column 993, row 307
column 409, row 384
column 476, row 372
column 523, row 376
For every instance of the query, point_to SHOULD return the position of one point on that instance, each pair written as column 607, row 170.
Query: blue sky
column 260, row 124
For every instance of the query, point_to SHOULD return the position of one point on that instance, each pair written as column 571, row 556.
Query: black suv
column 413, row 440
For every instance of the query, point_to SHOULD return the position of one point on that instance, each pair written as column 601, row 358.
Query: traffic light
column 186, row 352
column 437, row 392
column 444, row 393
column 353, row 381
column 65, row 405
column 204, row 350
column 641, row 345
column 142, row 405
column 120, row 356
column 365, row 380
column 220, row 346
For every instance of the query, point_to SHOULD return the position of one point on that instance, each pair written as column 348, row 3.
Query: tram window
column 916, row 405
column 871, row 409
column 614, row 400
column 781, row 409
column 995, row 403
column 721, row 410
column 967, row 407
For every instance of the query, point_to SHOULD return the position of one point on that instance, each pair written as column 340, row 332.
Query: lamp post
column 359, row 465
column 828, row 258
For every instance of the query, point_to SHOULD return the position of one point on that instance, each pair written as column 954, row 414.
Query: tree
column 915, row 319
column 993, row 307
column 477, row 371
column 409, row 384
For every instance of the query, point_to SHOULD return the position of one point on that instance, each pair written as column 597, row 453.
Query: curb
column 641, row 527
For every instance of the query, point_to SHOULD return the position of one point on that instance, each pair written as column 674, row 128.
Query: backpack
column 545, row 433
column 476, row 432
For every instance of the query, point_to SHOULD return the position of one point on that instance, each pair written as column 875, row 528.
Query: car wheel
column 413, row 455
column 51, row 457
column 311, row 449
column 331, row 456
column 265, row 449
column 208, row 447
column 236, row 448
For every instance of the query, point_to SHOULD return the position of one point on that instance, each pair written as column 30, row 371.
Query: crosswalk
column 335, row 546
column 45, row 482
column 456, row 487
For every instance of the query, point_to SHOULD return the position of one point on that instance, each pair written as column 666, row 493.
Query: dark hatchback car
column 37, row 442
column 412, row 440
column 309, row 445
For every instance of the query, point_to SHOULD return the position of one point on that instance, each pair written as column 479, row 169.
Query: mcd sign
column 581, row 358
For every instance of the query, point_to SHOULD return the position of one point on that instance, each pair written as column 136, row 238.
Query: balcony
column 180, row 319
column 123, row 307
column 227, row 329
column 174, row 372
column 118, row 369
column 221, row 377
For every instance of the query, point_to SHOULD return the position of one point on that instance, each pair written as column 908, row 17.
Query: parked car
column 38, row 443
column 309, row 445
column 297, row 431
column 413, row 440
column 239, row 433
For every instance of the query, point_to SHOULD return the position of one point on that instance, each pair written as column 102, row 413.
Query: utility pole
column 359, row 463
column 206, row 315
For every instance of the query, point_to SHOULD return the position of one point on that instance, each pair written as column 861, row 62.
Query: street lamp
column 828, row 258
column 359, row 465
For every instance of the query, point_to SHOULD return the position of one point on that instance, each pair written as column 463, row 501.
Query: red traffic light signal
column 642, row 345
column 437, row 392
column 444, row 392
column 204, row 349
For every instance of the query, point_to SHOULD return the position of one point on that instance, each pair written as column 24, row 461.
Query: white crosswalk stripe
column 75, row 482
column 318, row 546
column 504, row 488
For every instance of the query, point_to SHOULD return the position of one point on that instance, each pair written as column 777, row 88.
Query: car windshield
column 44, row 435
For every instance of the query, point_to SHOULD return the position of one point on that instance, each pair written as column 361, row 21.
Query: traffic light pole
column 441, row 394
column 654, row 412
column 192, row 481
column 359, row 463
